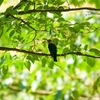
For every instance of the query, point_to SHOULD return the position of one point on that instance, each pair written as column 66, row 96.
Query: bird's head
column 49, row 41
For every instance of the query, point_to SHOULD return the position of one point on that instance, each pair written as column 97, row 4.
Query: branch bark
column 57, row 10
column 44, row 54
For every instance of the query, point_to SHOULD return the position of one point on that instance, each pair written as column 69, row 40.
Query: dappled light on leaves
column 27, row 68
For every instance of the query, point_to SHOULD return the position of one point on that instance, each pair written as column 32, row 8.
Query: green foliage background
column 25, row 76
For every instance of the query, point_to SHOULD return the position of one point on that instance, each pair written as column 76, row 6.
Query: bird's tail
column 55, row 58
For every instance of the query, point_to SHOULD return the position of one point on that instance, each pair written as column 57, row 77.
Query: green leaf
column 51, row 64
column 65, row 50
column 1, row 32
column 1, row 1
column 90, row 61
column 96, row 2
column 8, row 57
column 2, row 60
column 43, row 61
column 76, row 28
column 55, row 40
column 61, row 19
column 27, row 7
column 32, row 58
column 27, row 65
column 9, row 10
column 90, row 17
column 11, row 33
column 96, row 84
column 75, row 94
column 73, row 47
column 19, row 64
column 61, row 8
column 5, row 69
column 58, row 95
column 94, row 50
column 87, row 23
column 85, row 47
column 59, row 2
column 71, row 29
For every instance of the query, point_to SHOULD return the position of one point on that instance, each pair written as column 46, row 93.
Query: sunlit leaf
column 44, row 61
column 51, row 64
column 26, row 70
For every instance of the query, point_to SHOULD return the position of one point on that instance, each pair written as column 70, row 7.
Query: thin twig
column 44, row 54
column 23, row 22
column 38, row 92
column 68, row 4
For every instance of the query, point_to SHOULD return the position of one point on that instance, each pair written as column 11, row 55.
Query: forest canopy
column 27, row 69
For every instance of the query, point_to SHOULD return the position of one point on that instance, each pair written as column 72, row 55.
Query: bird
column 52, row 49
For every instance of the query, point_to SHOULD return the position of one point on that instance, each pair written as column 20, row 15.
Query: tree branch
column 37, row 92
column 23, row 22
column 44, row 54
column 57, row 10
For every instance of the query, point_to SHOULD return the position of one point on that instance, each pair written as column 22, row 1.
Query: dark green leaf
column 1, row 32
column 75, row 94
column 2, row 60
column 87, row 23
column 32, row 58
column 90, row 61
column 1, row 1
column 94, row 50
column 11, row 33
column 61, row 8
column 27, row 65
column 71, row 29
column 73, row 47
column 85, row 47
column 22, row 86
column 27, row 7
column 58, row 95
column 5, row 69
column 9, row 10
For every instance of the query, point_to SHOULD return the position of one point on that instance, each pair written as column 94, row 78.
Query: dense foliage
column 28, row 72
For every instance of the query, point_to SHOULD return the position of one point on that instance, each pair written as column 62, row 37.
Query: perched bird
column 53, row 49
